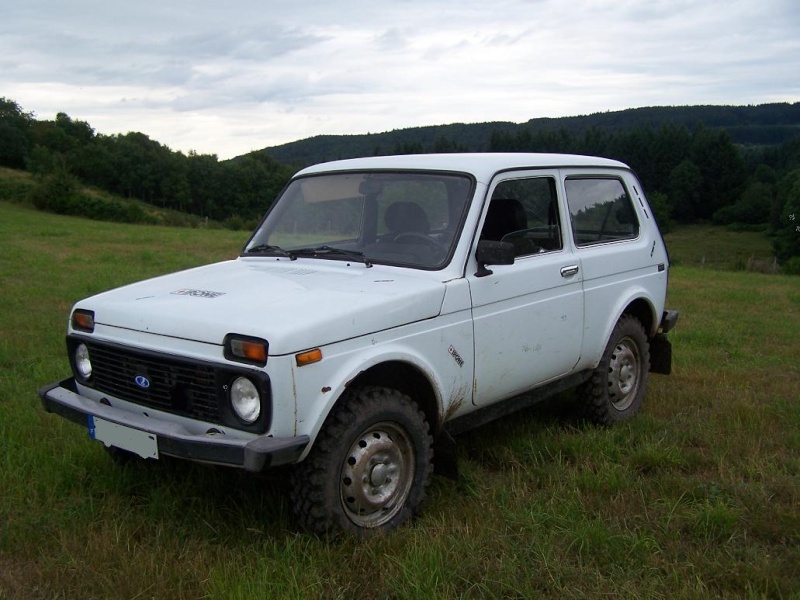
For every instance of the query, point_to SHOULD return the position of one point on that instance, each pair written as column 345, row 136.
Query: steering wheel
column 416, row 235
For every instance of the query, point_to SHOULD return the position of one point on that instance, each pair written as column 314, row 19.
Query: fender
column 428, row 350
column 594, row 345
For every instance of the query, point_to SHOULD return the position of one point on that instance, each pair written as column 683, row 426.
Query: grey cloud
column 391, row 39
column 297, row 66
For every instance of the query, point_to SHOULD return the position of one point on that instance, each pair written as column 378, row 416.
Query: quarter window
column 600, row 211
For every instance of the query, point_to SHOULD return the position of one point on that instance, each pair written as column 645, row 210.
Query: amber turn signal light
column 83, row 320
column 308, row 357
column 246, row 349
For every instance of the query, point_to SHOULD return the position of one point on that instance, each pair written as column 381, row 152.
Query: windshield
column 399, row 218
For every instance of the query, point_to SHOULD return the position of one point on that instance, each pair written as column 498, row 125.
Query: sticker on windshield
column 198, row 293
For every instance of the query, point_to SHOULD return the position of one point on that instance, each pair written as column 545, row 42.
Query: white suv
column 383, row 305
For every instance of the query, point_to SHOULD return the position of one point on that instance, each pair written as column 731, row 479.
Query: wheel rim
column 623, row 374
column 377, row 474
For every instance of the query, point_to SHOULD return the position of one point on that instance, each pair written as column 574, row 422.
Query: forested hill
column 765, row 124
column 733, row 165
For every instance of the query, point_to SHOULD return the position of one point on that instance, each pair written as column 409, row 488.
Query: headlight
column 83, row 363
column 245, row 400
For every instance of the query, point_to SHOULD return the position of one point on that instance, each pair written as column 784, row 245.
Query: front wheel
column 616, row 388
column 369, row 468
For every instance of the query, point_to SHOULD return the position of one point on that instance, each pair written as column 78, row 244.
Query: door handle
column 569, row 270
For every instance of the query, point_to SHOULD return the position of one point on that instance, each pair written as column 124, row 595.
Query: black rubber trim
column 668, row 321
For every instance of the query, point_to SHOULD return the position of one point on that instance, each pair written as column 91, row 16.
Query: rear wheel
column 616, row 388
column 369, row 468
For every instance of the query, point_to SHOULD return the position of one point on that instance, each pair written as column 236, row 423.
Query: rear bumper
column 668, row 321
column 254, row 454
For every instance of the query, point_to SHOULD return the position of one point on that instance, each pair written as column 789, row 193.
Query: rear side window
column 600, row 210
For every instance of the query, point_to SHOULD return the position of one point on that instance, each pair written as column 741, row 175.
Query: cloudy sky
column 230, row 77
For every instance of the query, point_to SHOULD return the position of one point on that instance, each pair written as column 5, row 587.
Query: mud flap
column 445, row 459
column 660, row 355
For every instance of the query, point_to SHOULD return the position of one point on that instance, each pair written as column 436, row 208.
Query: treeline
column 764, row 124
column 691, row 174
column 65, row 152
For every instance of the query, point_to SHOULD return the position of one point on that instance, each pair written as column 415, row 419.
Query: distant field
column 697, row 497
column 717, row 248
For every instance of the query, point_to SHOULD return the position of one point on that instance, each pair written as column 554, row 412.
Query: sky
column 226, row 78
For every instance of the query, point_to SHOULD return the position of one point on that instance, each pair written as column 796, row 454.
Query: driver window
column 524, row 212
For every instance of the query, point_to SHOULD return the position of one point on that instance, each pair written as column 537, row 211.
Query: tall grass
column 699, row 496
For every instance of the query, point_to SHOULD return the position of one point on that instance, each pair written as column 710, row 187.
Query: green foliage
column 14, row 134
column 765, row 125
column 134, row 166
column 791, row 266
column 56, row 192
column 722, row 171
column 684, row 190
column 61, row 193
column 659, row 203
column 688, row 154
column 787, row 235
column 752, row 209
column 13, row 146
column 14, row 185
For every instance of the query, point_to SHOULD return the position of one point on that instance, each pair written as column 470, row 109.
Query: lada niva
column 382, row 306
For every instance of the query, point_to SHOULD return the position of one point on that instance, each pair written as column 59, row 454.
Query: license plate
column 125, row 438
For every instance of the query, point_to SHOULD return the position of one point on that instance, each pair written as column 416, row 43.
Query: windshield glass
column 399, row 218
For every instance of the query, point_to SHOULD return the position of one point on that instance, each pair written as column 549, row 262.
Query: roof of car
column 482, row 165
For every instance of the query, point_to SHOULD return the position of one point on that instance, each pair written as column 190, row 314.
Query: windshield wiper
column 326, row 251
column 267, row 249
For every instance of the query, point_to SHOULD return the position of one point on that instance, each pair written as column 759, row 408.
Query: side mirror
column 490, row 252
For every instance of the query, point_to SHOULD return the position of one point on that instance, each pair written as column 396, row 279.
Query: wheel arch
column 407, row 379
column 637, row 304
column 644, row 311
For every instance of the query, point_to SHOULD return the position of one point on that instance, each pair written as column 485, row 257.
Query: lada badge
column 142, row 381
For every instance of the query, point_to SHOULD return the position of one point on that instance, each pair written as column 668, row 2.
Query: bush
column 752, row 208
column 59, row 193
column 14, row 190
column 791, row 266
column 54, row 193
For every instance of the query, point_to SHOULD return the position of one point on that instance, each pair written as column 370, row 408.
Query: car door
column 621, row 255
column 527, row 316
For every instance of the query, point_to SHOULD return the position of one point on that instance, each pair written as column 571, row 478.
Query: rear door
column 616, row 241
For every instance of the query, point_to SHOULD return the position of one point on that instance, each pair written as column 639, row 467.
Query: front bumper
column 173, row 439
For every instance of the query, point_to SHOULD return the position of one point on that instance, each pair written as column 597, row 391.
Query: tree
column 684, row 191
column 722, row 169
column 786, row 243
column 15, row 128
column 13, row 146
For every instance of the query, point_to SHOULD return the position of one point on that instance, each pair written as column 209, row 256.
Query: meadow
column 697, row 497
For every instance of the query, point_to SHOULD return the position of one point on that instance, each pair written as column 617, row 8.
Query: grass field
column 717, row 248
column 697, row 497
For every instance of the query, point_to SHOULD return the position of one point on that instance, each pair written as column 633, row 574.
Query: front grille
column 180, row 387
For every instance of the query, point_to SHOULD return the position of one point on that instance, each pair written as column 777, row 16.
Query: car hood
column 293, row 305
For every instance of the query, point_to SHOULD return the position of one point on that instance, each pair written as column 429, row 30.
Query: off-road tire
column 369, row 468
column 615, row 391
